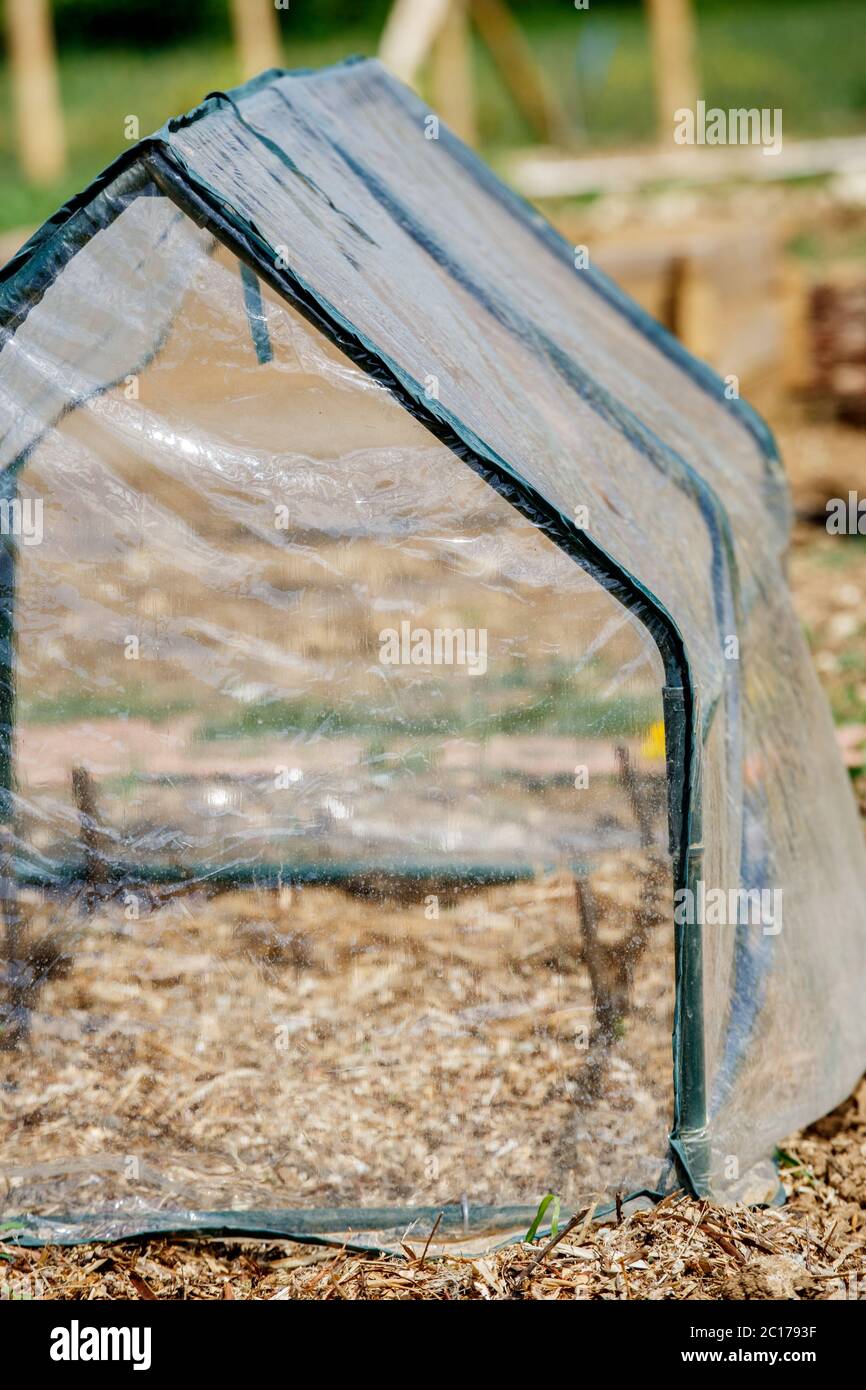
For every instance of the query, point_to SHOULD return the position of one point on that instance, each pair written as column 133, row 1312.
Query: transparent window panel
column 343, row 892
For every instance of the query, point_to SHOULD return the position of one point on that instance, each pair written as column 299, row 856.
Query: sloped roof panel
column 469, row 295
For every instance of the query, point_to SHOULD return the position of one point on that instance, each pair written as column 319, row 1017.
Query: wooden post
column 452, row 85
column 797, row 364
column 35, row 90
column 519, row 70
column 418, row 29
column 92, row 837
column 672, row 29
column 409, row 34
column 257, row 35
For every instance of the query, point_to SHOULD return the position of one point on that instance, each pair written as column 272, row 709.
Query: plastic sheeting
column 434, row 900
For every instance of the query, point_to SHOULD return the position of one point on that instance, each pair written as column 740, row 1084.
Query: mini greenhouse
column 416, row 794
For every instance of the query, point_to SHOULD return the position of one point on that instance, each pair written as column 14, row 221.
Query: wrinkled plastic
column 235, row 513
column 334, row 979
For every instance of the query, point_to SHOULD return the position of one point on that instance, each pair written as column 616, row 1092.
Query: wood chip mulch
column 812, row 1248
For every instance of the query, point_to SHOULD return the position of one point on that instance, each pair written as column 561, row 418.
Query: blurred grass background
column 157, row 58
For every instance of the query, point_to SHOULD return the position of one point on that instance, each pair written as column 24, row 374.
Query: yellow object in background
column 653, row 745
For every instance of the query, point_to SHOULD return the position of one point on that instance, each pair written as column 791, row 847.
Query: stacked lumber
column 838, row 325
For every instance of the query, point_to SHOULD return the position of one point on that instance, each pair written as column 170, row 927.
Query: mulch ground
column 812, row 1248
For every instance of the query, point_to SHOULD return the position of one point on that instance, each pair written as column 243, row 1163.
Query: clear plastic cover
column 354, row 909
column 342, row 892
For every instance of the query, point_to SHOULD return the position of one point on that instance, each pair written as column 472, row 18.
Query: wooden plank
column 553, row 174
column 718, row 291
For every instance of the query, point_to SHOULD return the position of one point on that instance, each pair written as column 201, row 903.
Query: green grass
column 102, row 87
column 803, row 57
column 556, row 706
column 841, row 557
column 75, row 704
column 847, row 703
column 555, row 703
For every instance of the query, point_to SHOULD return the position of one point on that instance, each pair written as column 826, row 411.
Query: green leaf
column 550, row 1200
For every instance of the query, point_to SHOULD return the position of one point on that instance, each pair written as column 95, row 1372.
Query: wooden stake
column 257, row 36
column 410, row 32
column 92, row 838
column 417, row 29
column 672, row 30
column 519, row 70
column 453, row 95
column 35, row 90
column 640, row 804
